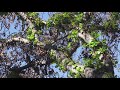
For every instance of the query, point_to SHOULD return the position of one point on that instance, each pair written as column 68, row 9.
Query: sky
column 75, row 56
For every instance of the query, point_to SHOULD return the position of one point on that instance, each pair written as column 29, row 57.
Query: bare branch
column 86, row 37
column 24, row 16
column 18, row 39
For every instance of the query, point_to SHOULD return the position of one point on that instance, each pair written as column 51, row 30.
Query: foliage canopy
column 38, row 44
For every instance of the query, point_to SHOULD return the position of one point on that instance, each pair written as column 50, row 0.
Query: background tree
column 38, row 44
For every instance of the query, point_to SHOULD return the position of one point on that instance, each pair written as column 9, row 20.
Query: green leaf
column 80, row 69
column 31, row 37
column 77, row 75
column 74, row 40
column 29, row 31
column 69, row 45
column 75, row 32
column 104, row 41
column 71, row 63
column 35, row 41
column 39, row 32
column 80, row 25
column 74, row 66
column 69, row 36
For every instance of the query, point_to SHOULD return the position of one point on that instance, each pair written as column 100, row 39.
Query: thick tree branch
column 24, row 16
column 88, row 38
column 18, row 39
